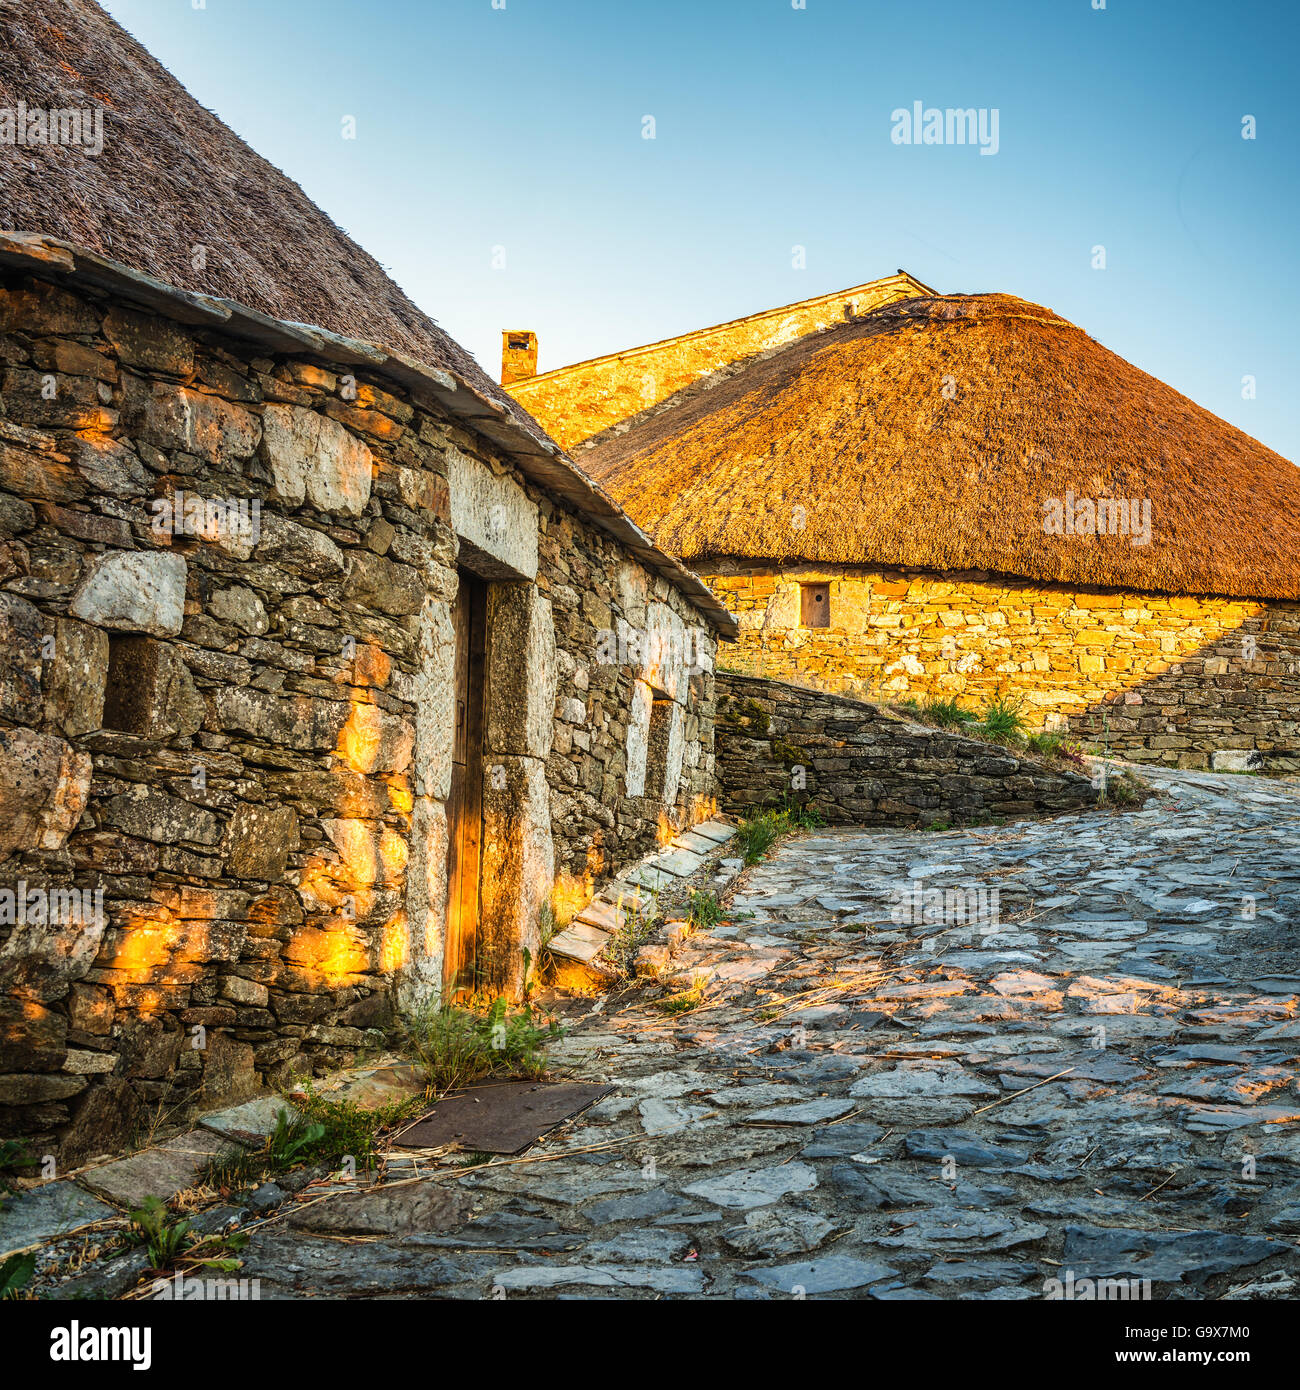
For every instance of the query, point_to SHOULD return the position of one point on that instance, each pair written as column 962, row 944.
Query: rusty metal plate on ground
column 501, row 1118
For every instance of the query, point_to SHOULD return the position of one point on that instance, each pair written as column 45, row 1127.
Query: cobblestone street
column 1099, row 1084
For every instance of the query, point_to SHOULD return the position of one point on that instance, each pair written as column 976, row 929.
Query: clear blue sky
column 521, row 128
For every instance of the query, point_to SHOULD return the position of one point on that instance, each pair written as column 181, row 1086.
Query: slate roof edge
column 540, row 460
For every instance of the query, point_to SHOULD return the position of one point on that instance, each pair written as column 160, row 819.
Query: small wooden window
column 815, row 605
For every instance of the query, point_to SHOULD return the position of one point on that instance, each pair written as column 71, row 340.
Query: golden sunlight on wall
column 1179, row 673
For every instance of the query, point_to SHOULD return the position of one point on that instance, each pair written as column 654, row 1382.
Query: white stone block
column 493, row 519
column 134, row 590
column 314, row 458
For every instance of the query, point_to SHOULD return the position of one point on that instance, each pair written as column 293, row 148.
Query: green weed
column 682, row 1002
column 162, row 1234
column 1003, row 720
column 705, row 909
column 755, row 836
column 456, row 1046
column 639, row 921
column 15, row 1273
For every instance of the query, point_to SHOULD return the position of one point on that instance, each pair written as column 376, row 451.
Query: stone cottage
column 966, row 496
column 327, row 681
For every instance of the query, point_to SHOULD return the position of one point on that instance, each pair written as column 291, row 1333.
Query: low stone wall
column 858, row 764
column 1185, row 681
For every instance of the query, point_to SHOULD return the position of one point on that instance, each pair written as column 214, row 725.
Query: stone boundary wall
column 1189, row 682
column 862, row 765
column 233, row 747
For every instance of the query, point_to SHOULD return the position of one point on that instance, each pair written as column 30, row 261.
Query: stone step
column 646, row 876
column 601, row 913
column 700, row 844
column 681, row 863
column 42, row 1213
column 251, row 1122
column 579, row 941
column 716, row 830
column 161, row 1171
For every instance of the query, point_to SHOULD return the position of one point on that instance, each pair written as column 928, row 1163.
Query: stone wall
column 858, row 764
column 576, row 403
column 233, row 741
column 1191, row 682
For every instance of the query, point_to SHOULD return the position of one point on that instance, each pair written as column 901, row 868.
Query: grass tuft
column 456, row 1046
column 755, row 836
column 1004, row 720
column 705, row 909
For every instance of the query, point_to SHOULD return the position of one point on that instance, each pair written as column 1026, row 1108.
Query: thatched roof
column 578, row 402
column 854, row 425
column 276, row 270
column 173, row 177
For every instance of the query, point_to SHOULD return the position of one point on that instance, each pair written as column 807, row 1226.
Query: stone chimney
column 518, row 357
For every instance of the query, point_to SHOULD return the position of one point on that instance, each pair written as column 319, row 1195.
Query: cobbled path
column 1100, row 1084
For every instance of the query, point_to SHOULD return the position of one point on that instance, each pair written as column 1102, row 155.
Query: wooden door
column 465, row 805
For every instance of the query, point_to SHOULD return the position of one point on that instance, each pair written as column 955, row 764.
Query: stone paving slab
column 160, row 1172
column 43, row 1213
column 580, row 941
column 863, row 1107
column 681, row 863
column 602, row 914
column 692, row 840
column 376, row 1087
column 716, row 830
column 647, row 876
column 250, row 1122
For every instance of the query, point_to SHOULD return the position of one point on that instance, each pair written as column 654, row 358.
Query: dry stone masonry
column 858, row 764
column 1185, row 681
column 227, row 568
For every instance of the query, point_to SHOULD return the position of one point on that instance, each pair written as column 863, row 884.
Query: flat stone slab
column 579, row 941
column 716, row 830
column 160, row 1172
column 681, row 863
column 754, row 1187
column 1214, row 1119
column 963, row 1147
column 811, row 1112
column 659, row 1201
column 661, row 1278
column 411, row 1208
column 251, row 1122
column 292, row 1260
column 42, row 1213
column 979, row 1230
column 699, row 844
column 601, row 914
column 769, row 1233
column 380, row 1086
column 668, row 1116
column 1101, row 1252
column 915, row 1080
column 646, row 876
column 830, row 1274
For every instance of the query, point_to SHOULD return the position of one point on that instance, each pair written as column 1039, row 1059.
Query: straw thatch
column 172, row 177
column 846, row 447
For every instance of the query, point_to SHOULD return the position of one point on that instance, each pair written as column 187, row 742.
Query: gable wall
column 576, row 403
